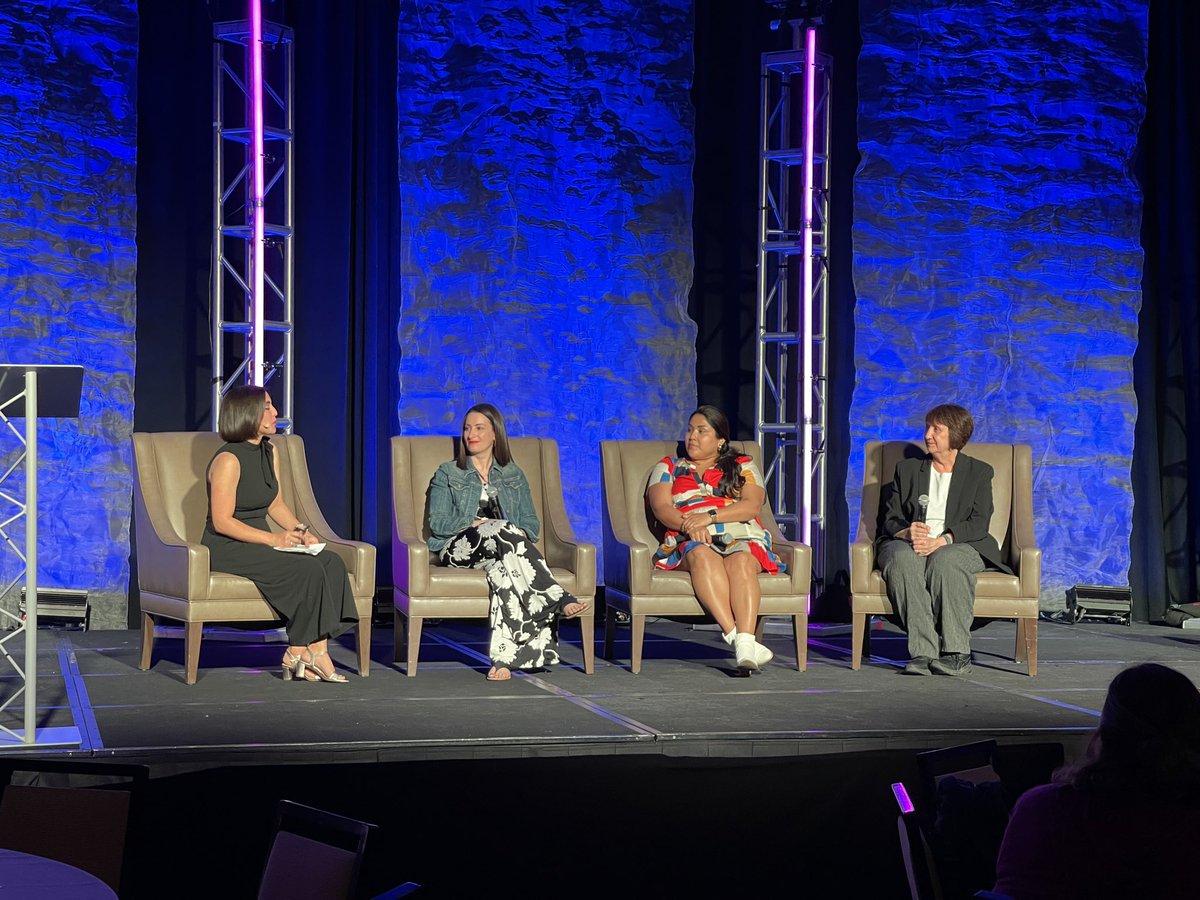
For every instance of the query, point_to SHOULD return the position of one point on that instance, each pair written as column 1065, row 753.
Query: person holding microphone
column 933, row 540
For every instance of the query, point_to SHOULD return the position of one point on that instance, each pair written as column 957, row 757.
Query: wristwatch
column 712, row 513
column 948, row 537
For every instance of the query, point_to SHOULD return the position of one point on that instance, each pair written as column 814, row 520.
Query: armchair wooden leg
column 759, row 625
column 1019, row 647
column 587, row 633
column 363, row 639
column 193, row 631
column 147, row 641
column 637, row 631
column 397, row 636
column 610, row 625
column 1031, row 630
column 800, row 634
column 413, row 648
column 858, row 630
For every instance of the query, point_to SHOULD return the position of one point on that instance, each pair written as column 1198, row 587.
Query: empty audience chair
column 425, row 589
column 634, row 585
column 170, row 502
column 313, row 854
column 997, row 595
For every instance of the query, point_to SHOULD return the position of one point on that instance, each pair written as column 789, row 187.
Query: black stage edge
column 681, row 778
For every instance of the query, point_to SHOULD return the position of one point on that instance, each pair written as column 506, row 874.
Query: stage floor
column 685, row 702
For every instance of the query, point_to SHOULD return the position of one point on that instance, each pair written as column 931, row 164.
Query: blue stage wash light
column 546, row 151
column 68, row 134
column 997, row 261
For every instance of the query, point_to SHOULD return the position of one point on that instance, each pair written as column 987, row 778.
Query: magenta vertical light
column 810, row 117
column 258, row 191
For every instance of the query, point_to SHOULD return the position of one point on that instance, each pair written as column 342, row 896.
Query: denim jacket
column 454, row 500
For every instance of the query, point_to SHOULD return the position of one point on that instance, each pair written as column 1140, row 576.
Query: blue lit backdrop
column 545, row 168
column 67, row 139
column 996, row 248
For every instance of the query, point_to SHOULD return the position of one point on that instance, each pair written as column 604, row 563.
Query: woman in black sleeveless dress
column 311, row 593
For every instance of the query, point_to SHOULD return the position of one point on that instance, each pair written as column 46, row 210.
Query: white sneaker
column 762, row 655
column 747, row 657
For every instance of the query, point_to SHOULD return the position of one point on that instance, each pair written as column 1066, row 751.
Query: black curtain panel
column 1166, row 475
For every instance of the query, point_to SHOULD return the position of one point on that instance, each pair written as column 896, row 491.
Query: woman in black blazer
column 933, row 540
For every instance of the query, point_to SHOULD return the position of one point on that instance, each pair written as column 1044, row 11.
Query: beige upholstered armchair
column 170, row 503
column 631, row 534
column 425, row 589
column 997, row 596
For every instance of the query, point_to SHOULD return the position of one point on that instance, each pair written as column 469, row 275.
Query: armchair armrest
column 1029, row 570
column 798, row 557
column 410, row 561
column 628, row 562
column 862, row 563
column 167, row 564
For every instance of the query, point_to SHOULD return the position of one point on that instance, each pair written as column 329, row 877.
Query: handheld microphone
column 922, row 507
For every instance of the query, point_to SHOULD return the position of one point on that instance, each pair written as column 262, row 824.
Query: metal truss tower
column 252, row 266
column 793, row 286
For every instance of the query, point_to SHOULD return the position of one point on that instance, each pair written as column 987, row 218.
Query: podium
column 27, row 392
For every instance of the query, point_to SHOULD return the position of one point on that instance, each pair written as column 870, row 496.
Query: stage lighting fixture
column 1100, row 603
column 60, row 608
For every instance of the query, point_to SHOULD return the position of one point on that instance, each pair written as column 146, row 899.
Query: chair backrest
column 82, row 827
column 626, row 472
column 1010, row 479
column 171, row 469
column 316, row 852
column 415, row 459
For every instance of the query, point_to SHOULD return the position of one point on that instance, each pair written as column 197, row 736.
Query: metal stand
column 793, row 286
column 60, row 388
column 251, row 302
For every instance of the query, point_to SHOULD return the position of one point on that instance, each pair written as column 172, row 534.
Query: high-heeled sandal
column 293, row 667
column 334, row 675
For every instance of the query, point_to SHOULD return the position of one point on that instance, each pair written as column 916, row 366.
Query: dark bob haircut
column 242, row 413
column 500, row 451
column 957, row 421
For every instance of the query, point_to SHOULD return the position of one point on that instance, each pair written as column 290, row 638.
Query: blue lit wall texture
column 996, row 242
column 67, row 210
column 545, row 165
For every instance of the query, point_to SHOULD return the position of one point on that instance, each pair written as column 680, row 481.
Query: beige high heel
column 293, row 667
column 312, row 668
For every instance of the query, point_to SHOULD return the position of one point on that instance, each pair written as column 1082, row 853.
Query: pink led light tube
column 257, row 190
column 810, row 91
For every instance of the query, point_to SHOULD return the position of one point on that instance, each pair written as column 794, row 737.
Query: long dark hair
column 732, row 479
column 500, row 452
column 1148, row 742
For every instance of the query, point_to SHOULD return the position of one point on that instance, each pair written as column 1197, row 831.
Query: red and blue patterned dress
column 691, row 491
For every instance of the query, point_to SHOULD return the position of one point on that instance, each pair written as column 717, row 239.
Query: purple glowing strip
column 257, row 190
column 810, row 91
column 902, row 798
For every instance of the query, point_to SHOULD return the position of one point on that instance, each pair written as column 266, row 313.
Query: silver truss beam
column 793, row 292
column 231, row 289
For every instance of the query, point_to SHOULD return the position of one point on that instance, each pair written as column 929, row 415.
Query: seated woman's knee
column 742, row 564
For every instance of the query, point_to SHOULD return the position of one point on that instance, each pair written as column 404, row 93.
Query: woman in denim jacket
column 481, row 516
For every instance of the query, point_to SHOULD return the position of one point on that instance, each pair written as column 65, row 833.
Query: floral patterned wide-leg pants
column 525, row 598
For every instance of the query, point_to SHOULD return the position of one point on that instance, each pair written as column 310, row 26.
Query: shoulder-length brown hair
column 242, row 413
column 958, row 422
column 500, row 452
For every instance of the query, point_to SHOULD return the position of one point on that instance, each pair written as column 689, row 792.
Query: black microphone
column 922, row 507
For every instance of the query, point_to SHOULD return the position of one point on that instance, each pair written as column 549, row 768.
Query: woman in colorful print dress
column 709, row 501
column 481, row 516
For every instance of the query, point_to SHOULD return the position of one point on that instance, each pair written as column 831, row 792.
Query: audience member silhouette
column 1120, row 821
